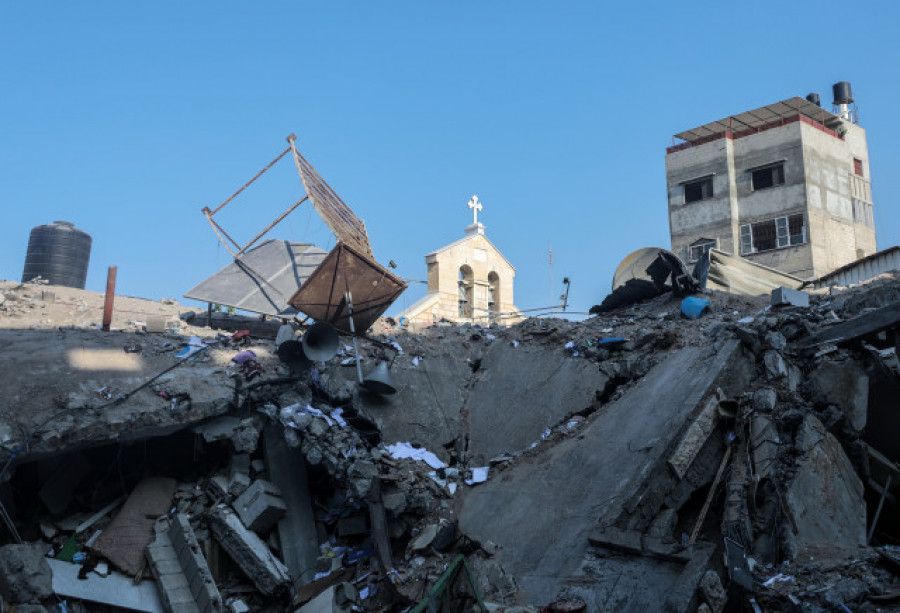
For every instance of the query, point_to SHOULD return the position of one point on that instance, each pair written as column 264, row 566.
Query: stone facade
column 793, row 194
column 468, row 281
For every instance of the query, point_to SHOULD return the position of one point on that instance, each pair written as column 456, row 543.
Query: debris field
column 744, row 458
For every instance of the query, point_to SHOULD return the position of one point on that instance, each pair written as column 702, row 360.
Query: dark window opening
column 763, row 235
column 857, row 167
column 773, row 234
column 698, row 190
column 769, row 176
column 701, row 248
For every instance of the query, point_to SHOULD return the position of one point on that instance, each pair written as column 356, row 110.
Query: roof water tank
column 814, row 98
column 58, row 252
column 842, row 92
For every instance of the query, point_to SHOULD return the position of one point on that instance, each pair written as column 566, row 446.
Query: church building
column 468, row 281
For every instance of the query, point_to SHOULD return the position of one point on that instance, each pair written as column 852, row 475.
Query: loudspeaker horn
column 320, row 343
column 379, row 380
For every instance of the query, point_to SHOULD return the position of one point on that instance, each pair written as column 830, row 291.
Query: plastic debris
column 694, row 308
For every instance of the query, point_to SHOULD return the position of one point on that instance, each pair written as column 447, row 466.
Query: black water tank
column 814, row 98
column 842, row 92
column 58, row 252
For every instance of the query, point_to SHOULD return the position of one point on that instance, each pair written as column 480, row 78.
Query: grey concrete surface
column 540, row 511
column 522, row 391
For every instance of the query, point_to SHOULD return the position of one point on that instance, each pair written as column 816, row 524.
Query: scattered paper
column 515, row 343
column 338, row 416
column 288, row 414
column 778, row 578
column 415, row 361
column 401, row 451
column 479, row 475
column 570, row 344
column 396, row 346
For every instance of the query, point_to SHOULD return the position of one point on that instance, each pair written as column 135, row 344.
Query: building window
column 857, row 167
column 701, row 248
column 773, row 234
column 862, row 213
column 466, row 306
column 493, row 295
column 770, row 176
column 700, row 189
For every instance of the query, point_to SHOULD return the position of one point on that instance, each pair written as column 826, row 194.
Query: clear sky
column 127, row 118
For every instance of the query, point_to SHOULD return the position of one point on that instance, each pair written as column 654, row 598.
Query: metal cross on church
column 475, row 206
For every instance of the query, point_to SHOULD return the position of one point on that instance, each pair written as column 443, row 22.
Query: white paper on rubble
column 401, row 451
column 479, row 475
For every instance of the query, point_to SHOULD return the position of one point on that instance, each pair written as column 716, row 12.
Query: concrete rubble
column 636, row 460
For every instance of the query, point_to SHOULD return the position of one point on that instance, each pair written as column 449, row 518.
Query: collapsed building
column 636, row 460
column 710, row 440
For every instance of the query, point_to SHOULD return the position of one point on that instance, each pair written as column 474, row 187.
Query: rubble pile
column 740, row 455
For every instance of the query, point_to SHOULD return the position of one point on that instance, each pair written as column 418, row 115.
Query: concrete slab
column 299, row 544
column 115, row 589
column 428, row 404
column 825, row 479
column 522, row 391
column 582, row 479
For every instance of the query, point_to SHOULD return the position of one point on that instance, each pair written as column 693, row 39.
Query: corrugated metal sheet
column 373, row 288
column 263, row 279
column 861, row 270
column 737, row 275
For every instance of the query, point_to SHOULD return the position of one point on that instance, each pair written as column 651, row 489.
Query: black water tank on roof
column 842, row 92
column 814, row 98
column 58, row 252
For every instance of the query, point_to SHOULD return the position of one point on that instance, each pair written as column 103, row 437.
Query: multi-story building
column 786, row 186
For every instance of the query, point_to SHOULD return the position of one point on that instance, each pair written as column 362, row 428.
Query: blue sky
column 127, row 118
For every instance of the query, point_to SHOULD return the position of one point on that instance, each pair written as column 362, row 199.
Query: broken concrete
column 115, row 590
column 844, row 384
column 181, row 572
column 260, row 506
column 24, row 573
column 603, row 446
column 506, row 412
column 825, row 497
column 589, row 477
column 250, row 553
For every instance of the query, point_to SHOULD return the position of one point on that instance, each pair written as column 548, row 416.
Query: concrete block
column 156, row 324
column 239, row 474
column 24, row 574
column 249, row 552
column 116, row 589
column 786, row 296
column 260, row 506
column 297, row 529
column 625, row 541
column 177, row 562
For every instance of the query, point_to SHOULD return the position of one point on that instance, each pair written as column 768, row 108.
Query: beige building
column 468, row 281
column 786, row 186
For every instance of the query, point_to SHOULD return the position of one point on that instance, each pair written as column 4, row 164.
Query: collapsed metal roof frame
column 349, row 267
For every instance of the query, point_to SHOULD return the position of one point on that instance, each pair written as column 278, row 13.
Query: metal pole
column 359, row 376
column 110, row 295
column 878, row 510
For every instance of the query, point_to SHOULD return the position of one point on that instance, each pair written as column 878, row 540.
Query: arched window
column 493, row 295
column 466, row 292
